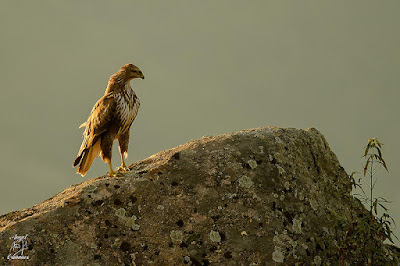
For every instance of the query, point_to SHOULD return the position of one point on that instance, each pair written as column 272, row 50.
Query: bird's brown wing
column 98, row 121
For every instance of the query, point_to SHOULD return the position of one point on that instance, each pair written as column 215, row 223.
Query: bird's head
column 131, row 71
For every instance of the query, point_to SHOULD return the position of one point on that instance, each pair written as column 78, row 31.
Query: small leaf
column 384, row 165
column 366, row 167
column 379, row 144
column 375, row 206
column 367, row 148
column 383, row 200
column 379, row 152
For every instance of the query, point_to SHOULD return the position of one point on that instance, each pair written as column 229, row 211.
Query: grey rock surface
column 264, row 196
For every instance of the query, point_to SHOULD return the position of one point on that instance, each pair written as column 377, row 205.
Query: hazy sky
column 211, row 67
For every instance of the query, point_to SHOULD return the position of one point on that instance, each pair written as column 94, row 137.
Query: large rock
column 254, row 197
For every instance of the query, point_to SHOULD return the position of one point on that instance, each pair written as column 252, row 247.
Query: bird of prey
column 110, row 119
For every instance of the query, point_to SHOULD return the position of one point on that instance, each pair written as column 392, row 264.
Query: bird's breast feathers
column 127, row 104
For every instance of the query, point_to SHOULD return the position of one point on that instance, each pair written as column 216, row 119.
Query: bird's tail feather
column 86, row 158
column 78, row 159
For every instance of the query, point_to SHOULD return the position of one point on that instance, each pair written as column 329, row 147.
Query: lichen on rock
column 120, row 213
column 245, row 182
column 297, row 226
column 215, row 236
column 176, row 236
column 278, row 255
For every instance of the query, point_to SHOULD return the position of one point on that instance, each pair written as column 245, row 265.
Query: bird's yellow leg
column 112, row 173
column 123, row 165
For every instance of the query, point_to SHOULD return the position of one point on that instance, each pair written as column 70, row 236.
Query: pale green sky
column 211, row 67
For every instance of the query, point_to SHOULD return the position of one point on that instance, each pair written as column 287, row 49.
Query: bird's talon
column 123, row 169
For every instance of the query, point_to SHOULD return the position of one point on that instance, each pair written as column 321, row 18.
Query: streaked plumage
column 110, row 119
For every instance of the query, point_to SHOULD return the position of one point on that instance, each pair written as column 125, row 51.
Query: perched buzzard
column 110, row 119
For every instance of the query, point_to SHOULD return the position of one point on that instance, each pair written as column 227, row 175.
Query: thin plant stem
column 371, row 187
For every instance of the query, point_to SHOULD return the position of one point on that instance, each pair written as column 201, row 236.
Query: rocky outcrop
column 255, row 197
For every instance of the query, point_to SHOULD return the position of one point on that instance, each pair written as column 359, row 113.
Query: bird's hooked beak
column 141, row 75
